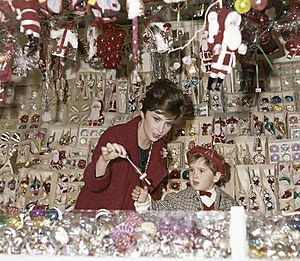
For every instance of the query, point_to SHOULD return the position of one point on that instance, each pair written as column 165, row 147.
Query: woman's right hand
column 112, row 151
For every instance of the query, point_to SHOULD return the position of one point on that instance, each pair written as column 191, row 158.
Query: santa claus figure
column 96, row 117
column 225, row 41
column 56, row 160
column 27, row 14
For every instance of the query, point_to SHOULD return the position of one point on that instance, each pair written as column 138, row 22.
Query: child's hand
column 140, row 194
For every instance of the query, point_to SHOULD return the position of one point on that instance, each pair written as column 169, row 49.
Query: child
column 206, row 171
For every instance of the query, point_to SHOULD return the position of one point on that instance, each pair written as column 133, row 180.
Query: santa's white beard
column 95, row 115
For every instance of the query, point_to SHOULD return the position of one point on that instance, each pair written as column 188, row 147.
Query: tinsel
column 24, row 62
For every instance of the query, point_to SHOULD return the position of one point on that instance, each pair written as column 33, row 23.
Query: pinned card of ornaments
column 110, row 44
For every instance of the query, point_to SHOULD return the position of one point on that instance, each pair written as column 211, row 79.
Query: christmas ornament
column 101, row 9
column 110, row 44
column 66, row 41
column 242, row 6
column 50, row 7
column 293, row 48
column 259, row 5
column 135, row 8
column 96, row 117
column 269, row 126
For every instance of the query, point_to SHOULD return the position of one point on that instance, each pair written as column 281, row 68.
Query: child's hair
column 164, row 97
column 194, row 157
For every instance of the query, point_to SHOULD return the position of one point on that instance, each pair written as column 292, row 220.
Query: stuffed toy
column 28, row 16
column 225, row 44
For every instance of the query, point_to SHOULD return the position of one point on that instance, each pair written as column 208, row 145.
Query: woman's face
column 156, row 125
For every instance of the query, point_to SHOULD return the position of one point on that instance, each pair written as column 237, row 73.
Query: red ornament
column 259, row 5
column 293, row 48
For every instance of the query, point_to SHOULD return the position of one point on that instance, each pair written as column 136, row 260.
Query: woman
column 110, row 178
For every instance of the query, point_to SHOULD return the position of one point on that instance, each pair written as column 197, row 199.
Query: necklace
column 148, row 159
column 142, row 175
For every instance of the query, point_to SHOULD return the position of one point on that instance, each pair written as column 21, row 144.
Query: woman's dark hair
column 164, row 97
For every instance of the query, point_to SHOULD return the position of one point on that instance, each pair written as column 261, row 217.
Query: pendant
column 279, row 125
column 269, row 126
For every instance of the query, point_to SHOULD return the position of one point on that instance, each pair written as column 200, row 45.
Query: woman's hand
column 140, row 194
column 112, row 151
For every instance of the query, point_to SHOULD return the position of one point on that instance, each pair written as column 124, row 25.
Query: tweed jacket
column 189, row 200
column 113, row 190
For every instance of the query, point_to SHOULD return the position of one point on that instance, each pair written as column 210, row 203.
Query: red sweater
column 113, row 190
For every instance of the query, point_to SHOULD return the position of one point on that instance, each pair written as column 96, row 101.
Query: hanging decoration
column 5, row 11
column 157, row 37
column 259, row 5
column 135, row 8
column 110, row 44
column 103, row 9
column 242, row 6
column 91, row 38
column 293, row 48
column 6, row 61
column 224, row 47
column 50, row 7
column 66, row 41
column 28, row 16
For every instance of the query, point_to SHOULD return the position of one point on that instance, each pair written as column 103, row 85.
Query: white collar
column 208, row 201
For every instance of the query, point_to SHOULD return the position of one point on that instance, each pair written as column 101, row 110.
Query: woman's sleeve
column 92, row 182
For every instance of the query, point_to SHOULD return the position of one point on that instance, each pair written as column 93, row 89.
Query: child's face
column 201, row 176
